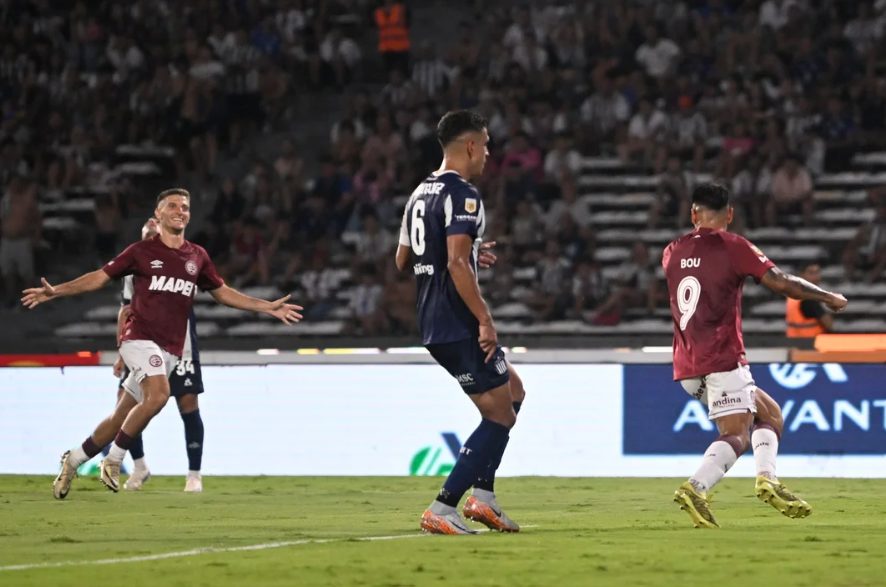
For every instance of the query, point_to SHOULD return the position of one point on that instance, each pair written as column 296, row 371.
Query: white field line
column 206, row 550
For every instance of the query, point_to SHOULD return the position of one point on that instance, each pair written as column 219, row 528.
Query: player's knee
column 740, row 442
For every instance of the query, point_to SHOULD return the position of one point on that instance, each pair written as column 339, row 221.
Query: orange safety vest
column 393, row 34
column 798, row 325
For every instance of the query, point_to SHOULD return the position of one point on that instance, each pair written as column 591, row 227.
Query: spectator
column 341, row 55
column 567, row 203
column 791, row 191
column 645, row 132
column 562, row 160
column 373, row 244
column 589, row 287
column 430, row 74
column 672, row 196
column 108, row 225
column 366, row 303
column 807, row 318
column 635, row 286
column 689, row 132
column 392, row 22
column 550, row 298
column 658, row 56
column 751, row 188
column 867, row 249
column 21, row 224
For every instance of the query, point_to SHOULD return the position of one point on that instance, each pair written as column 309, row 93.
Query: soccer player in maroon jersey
column 167, row 270
column 705, row 271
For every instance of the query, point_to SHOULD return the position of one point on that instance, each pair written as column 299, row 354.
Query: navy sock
column 473, row 459
column 487, row 479
column 194, row 439
column 137, row 448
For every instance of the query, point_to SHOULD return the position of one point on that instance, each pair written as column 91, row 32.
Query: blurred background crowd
column 300, row 127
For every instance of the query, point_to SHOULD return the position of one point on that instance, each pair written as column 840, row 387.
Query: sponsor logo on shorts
column 725, row 401
column 191, row 268
column 465, row 379
column 155, row 361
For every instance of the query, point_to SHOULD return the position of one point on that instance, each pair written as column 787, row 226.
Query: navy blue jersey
column 442, row 205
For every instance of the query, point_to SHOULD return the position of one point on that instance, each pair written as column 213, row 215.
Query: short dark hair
column 713, row 196
column 173, row 192
column 456, row 123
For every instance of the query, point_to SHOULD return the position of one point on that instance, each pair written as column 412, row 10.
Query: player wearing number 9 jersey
column 442, row 225
column 705, row 271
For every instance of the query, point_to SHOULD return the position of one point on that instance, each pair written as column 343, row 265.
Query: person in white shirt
column 658, row 56
column 645, row 132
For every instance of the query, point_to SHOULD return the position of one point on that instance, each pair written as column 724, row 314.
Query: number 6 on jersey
column 417, row 236
column 688, row 294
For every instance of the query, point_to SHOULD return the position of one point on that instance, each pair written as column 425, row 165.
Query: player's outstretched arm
column 459, row 248
column 279, row 309
column 798, row 288
column 34, row 296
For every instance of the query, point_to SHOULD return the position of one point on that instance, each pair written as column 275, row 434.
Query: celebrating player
column 443, row 223
column 185, row 383
column 167, row 271
column 705, row 271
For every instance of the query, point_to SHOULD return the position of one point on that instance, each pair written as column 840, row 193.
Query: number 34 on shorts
column 184, row 367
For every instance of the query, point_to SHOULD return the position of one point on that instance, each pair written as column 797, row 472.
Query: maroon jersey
column 165, row 281
column 705, row 270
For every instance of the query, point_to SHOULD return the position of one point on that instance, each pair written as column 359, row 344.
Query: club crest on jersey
column 156, row 264
column 470, row 205
column 191, row 268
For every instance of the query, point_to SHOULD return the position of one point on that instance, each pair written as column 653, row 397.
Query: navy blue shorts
column 187, row 377
column 464, row 359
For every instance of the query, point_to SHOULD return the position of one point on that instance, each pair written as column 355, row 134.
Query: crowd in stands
column 765, row 96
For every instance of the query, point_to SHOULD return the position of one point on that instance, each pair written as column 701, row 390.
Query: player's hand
column 837, row 303
column 286, row 313
column 119, row 366
column 488, row 340
column 485, row 257
column 35, row 296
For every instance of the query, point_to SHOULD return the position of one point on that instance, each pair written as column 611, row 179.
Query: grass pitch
column 312, row 531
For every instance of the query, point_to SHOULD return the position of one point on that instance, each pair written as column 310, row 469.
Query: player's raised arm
column 798, row 288
column 34, row 296
column 286, row 313
column 459, row 249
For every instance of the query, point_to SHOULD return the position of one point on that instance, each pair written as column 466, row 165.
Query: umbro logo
column 156, row 264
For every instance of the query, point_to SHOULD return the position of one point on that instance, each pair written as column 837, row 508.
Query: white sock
column 116, row 454
column 195, row 474
column 140, row 464
column 765, row 443
column 78, row 456
column 483, row 495
column 718, row 459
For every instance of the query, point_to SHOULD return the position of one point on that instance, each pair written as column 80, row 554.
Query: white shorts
column 725, row 393
column 144, row 359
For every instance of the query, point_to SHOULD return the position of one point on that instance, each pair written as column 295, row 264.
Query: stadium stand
column 303, row 147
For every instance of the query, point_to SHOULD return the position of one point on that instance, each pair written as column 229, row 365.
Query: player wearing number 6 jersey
column 443, row 223
column 185, row 384
column 705, row 271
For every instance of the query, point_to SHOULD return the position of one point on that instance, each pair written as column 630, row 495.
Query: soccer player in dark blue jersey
column 442, row 228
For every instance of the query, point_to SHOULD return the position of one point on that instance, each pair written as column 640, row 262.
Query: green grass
column 580, row 532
